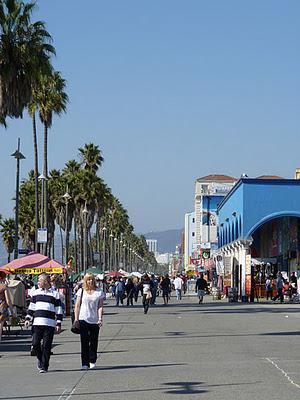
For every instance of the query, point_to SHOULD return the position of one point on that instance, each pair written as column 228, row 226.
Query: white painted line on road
column 67, row 393
column 283, row 372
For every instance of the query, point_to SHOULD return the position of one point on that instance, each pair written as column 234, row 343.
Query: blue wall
column 254, row 202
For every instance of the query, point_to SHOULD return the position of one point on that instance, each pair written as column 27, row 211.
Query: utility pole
column 18, row 156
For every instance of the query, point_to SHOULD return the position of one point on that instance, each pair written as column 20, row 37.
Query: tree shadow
column 184, row 388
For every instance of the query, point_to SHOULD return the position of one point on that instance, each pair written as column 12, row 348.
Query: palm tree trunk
column 36, row 182
column 62, row 245
column 91, row 252
column 76, row 258
column 45, row 172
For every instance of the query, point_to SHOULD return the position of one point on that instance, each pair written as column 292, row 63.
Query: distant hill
column 166, row 240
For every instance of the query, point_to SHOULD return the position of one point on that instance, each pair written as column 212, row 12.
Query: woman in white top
column 88, row 317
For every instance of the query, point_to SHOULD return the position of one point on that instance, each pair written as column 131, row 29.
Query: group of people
column 45, row 311
column 283, row 286
column 45, row 315
column 149, row 286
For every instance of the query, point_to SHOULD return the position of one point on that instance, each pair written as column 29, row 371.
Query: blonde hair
column 87, row 277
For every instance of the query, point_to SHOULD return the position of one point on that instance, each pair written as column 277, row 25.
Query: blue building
column 259, row 223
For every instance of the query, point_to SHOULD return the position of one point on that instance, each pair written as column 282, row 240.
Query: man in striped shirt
column 45, row 314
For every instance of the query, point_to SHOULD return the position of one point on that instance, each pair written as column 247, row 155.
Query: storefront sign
column 227, row 265
column 36, row 271
column 42, row 235
column 248, row 285
column 248, row 264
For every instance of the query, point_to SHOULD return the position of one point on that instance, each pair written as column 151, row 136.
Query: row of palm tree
column 28, row 82
column 7, row 230
column 91, row 206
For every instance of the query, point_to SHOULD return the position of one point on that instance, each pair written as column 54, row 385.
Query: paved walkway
column 182, row 351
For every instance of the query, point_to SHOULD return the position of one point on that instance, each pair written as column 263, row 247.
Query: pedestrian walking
column 146, row 282
column 88, row 318
column 45, row 315
column 200, row 288
column 136, row 288
column 120, row 291
column 5, row 303
column 165, row 286
column 269, row 288
column 178, row 285
column 129, row 286
column 154, row 287
column 279, row 287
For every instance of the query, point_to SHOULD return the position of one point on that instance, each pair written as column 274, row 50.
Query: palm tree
column 27, row 211
column 8, row 234
column 24, row 53
column 51, row 99
column 91, row 157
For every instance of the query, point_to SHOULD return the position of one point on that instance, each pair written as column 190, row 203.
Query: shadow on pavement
column 118, row 367
column 295, row 333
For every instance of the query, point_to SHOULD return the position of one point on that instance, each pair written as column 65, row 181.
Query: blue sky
column 170, row 91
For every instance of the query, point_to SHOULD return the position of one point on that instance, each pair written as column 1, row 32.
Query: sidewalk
column 180, row 351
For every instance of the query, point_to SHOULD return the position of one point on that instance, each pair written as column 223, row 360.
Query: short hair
column 87, row 277
column 45, row 277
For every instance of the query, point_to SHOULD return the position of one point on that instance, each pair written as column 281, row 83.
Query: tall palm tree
column 51, row 99
column 27, row 211
column 8, row 234
column 91, row 157
column 24, row 52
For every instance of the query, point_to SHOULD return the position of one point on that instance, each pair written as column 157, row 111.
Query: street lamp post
column 67, row 198
column 18, row 156
column 85, row 212
column 115, row 253
column 43, row 179
column 104, row 247
column 121, row 264
column 111, row 236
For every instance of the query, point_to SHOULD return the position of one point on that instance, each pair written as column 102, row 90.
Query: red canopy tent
column 114, row 274
column 34, row 263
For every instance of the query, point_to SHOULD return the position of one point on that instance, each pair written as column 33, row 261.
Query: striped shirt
column 45, row 308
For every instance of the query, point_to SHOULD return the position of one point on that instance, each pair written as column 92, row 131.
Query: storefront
column 259, row 233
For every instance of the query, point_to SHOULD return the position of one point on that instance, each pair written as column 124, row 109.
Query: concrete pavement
column 182, row 351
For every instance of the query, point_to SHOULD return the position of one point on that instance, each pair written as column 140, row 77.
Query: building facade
column 210, row 190
column 259, row 231
column 189, row 239
column 152, row 245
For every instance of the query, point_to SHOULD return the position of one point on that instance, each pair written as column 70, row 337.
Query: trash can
column 216, row 293
column 232, row 294
column 245, row 299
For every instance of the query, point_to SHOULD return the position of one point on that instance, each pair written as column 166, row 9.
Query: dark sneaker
column 39, row 365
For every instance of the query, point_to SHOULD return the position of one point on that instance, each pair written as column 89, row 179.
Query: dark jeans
column 119, row 298
column 89, row 334
column 45, row 334
column 279, row 295
column 130, row 298
column 146, row 303
column 153, row 299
